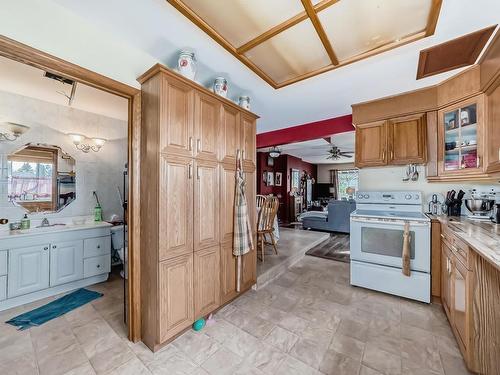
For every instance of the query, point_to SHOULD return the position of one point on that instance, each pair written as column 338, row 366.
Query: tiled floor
column 309, row 321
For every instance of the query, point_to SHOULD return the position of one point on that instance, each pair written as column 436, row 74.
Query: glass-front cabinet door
column 461, row 127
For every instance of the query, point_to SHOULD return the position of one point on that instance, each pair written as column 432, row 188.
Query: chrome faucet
column 45, row 222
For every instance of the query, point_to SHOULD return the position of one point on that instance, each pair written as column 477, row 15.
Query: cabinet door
column 227, row 272
column 206, row 204
column 227, row 190
column 229, row 134
column 176, row 119
column 206, row 126
column 371, row 144
column 28, row 270
column 206, row 281
column 248, row 140
column 446, row 266
column 66, row 262
column 175, row 295
column 176, row 206
column 407, row 140
column 459, row 306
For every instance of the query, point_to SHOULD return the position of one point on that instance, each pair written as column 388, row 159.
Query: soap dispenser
column 25, row 222
column 97, row 209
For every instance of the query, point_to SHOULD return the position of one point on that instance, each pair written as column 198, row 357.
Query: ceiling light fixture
column 274, row 152
column 82, row 143
column 10, row 131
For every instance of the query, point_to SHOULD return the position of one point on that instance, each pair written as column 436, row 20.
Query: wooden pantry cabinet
column 395, row 141
column 190, row 139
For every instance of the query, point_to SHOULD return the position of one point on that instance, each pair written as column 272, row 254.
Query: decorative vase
column 186, row 64
column 244, row 102
column 220, row 86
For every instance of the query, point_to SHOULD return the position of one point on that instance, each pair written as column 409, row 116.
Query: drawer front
column 93, row 247
column 96, row 265
column 3, row 262
column 3, row 287
column 459, row 248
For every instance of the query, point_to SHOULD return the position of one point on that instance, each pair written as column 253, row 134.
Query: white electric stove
column 376, row 244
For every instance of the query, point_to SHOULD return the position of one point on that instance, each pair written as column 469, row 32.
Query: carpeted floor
column 335, row 248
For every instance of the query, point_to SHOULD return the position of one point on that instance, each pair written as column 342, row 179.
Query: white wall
column 49, row 123
column 390, row 178
column 324, row 171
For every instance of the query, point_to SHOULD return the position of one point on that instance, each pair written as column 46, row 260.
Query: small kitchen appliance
column 379, row 226
column 480, row 205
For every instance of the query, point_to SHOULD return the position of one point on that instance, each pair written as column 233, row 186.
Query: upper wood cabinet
column 206, row 204
column 407, row 140
column 207, row 121
column 371, row 144
column 248, row 140
column 176, row 124
column 230, row 134
column 175, row 206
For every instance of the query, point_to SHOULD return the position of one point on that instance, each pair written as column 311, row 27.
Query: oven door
column 381, row 242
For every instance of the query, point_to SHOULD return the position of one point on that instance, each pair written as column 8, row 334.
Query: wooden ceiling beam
column 302, row 16
column 433, row 17
column 313, row 16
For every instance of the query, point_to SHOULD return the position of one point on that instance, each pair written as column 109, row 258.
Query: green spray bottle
column 97, row 208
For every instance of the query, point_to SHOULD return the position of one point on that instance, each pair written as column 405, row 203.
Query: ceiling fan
column 335, row 153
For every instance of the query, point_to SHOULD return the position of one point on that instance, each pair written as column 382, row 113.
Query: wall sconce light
column 83, row 144
column 10, row 131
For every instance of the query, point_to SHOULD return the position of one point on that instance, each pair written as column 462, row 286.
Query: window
column 347, row 183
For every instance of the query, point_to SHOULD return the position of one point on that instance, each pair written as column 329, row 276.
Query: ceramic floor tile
column 171, row 362
column 223, row 362
column 354, row 329
column 292, row 366
column 84, row 369
column 197, row 346
column 308, row 351
column 281, row 339
column 380, row 360
column 253, row 325
column 293, row 323
column 133, row 367
column 267, row 359
column 420, row 356
column 453, row 365
column 365, row 370
column 334, row 363
column 348, row 346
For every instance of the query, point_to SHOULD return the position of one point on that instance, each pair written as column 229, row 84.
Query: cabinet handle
column 198, row 172
column 392, row 155
column 478, row 161
column 54, row 246
column 190, row 143
column 98, row 246
column 98, row 266
column 383, row 155
column 198, row 145
column 190, row 171
column 46, row 248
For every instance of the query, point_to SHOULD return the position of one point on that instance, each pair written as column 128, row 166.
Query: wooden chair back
column 267, row 214
column 260, row 199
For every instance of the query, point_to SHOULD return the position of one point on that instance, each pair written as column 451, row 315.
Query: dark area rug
column 335, row 248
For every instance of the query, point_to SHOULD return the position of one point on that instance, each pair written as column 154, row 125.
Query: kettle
column 495, row 213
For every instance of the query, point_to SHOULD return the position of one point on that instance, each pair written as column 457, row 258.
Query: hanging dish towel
column 242, row 240
column 406, row 250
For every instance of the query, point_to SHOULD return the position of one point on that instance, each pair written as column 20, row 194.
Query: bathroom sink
column 50, row 225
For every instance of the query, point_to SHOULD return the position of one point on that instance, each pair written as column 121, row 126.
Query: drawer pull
column 98, row 246
column 46, row 248
column 54, row 246
column 98, row 266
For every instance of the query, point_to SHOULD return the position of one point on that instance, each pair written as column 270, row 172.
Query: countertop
column 482, row 236
column 33, row 231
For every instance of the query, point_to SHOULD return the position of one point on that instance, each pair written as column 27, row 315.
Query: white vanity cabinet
column 66, row 262
column 39, row 264
column 28, row 270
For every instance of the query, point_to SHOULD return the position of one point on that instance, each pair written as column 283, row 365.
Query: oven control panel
column 394, row 197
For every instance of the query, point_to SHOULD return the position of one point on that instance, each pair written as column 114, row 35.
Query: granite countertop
column 482, row 236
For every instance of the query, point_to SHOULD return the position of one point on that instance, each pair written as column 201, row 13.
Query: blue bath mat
column 54, row 309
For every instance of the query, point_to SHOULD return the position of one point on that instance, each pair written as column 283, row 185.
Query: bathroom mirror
column 41, row 178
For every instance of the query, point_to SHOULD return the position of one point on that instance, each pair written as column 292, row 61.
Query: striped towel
column 242, row 239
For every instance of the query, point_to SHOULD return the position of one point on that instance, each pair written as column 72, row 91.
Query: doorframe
column 25, row 54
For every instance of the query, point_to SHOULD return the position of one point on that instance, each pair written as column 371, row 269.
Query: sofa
column 335, row 219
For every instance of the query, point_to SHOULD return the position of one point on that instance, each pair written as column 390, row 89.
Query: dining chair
column 265, row 223
column 260, row 199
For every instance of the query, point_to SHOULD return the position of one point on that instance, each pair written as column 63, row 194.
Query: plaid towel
column 242, row 239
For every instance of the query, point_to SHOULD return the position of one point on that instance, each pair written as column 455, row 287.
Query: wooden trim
column 22, row 53
column 198, row 21
column 311, row 13
column 302, row 16
column 432, row 20
column 30, row 56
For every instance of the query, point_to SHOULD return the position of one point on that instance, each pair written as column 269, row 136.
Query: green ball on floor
column 199, row 324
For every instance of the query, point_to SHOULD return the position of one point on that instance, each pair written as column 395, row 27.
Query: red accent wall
column 283, row 164
column 306, row 132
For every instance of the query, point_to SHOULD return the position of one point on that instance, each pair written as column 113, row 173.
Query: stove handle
column 389, row 222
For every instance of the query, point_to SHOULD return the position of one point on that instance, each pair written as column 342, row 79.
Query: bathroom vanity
column 45, row 261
